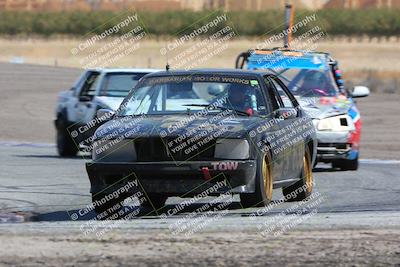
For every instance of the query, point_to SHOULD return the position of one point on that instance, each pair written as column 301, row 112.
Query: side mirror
column 85, row 98
column 360, row 91
column 286, row 113
column 104, row 114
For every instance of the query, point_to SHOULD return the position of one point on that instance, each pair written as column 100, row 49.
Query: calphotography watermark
column 301, row 44
column 113, row 44
column 201, row 210
column 280, row 135
column 289, row 218
column 111, row 207
column 284, row 33
column 199, row 46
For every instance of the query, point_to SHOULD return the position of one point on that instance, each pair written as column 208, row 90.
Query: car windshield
column 183, row 94
column 119, row 84
column 309, row 82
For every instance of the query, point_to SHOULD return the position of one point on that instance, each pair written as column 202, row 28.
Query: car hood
column 108, row 102
column 324, row 107
column 176, row 125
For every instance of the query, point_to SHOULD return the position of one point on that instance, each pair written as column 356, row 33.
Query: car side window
column 272, row 95
column 89, row 86
column 285, row 102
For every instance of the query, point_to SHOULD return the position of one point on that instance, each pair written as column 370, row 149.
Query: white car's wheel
column 65, row 145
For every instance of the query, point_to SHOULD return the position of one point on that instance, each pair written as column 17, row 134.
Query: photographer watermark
column 201, row 214
column 198, row 46
column 113, row 44
column 288, row 219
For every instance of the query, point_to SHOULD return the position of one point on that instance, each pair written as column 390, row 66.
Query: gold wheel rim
column 308, row 172
column 268, row 187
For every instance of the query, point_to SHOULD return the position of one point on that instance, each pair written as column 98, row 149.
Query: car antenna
column 167, row 67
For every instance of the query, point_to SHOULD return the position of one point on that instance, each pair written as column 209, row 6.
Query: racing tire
column 263, row 185
column 65, row 145
column 154, row 201
column 302, row 189
column 346, row 164
column 109, row 209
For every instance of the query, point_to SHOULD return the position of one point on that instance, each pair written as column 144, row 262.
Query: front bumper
column 327, row 152
column 173, row 178
column 333, row 146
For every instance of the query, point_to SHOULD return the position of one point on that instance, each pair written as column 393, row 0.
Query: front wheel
column 302, row 189
column 346, row 164
column 263, row 185
column 65, row 145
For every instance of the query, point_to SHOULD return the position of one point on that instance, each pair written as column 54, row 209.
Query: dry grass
column 371, row 63
column 353, row 56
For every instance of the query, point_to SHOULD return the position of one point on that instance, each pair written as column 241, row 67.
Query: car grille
column 155, row 149
column 326, row 148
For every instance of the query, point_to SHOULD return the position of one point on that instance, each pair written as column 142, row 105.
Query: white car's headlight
column 341, row 123
column 315, row 123
column 232, row 149
column 114, row 150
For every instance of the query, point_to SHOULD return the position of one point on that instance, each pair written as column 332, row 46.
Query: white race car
column 76, row 108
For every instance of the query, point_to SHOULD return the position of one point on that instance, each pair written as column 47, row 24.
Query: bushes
column 370, row 22
column 373, row 22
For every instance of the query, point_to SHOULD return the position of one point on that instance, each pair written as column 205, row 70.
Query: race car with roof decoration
column 180, row 133
column 316, row 81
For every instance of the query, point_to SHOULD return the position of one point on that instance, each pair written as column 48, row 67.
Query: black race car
column 180, row 133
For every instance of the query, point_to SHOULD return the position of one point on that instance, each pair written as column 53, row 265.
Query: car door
column 273, row 132
column 293, row 133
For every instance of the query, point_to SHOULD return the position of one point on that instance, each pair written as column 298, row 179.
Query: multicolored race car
column 316, row 81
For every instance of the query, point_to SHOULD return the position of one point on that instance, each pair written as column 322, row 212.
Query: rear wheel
column 346, row 164
column 65, row 145
column 263, row 187
column 303, row 188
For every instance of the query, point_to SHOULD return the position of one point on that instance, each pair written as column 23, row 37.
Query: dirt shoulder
column 355, row 247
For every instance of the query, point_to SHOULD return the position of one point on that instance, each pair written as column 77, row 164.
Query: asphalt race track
column 41, row 186
column 37, row 183
column 354, row 219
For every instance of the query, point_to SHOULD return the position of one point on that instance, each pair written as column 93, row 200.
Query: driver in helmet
column 314, row 83
column 238, row 98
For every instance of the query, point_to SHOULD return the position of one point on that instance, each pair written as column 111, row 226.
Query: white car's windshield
column 309, row 83
column 182, row 94
column 120, row 83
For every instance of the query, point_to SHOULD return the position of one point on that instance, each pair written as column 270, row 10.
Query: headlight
column 315, row 123
column 232, row 149
column 114, row 150
column 340, row 123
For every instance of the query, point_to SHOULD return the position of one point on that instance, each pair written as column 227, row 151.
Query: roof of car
column 277, row 59
column 211, row 71
column 281, row 57
column 128, row 70
column 287, row 51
